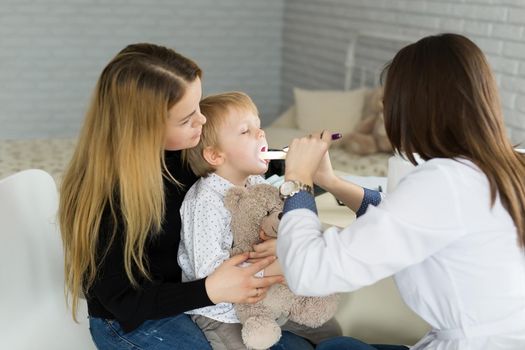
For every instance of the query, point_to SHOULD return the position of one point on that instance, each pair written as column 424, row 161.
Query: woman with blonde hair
column 452, row 233
column 119, row 209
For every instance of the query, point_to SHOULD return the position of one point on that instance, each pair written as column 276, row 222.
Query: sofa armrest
column 377, row 314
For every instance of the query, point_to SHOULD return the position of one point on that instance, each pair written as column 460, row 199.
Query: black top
column 113, row 297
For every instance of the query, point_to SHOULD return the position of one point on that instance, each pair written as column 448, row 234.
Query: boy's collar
column 221, row 185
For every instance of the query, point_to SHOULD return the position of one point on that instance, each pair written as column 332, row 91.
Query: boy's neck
column 233, row 176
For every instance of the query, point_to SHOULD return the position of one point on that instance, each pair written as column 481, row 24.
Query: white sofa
column 375, row 313
column 34, row 313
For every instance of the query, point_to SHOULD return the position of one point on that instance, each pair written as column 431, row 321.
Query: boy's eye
column 245, row 131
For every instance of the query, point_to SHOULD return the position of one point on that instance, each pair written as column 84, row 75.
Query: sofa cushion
column 337, row 111
column 279, row 137
column 288, row 119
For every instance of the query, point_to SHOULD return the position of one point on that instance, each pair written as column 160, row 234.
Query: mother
column 119, row 209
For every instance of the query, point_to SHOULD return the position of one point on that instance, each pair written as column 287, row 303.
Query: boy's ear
column 213, row 156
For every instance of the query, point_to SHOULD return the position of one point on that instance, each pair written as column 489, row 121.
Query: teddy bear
column 369, row 135
column 253, row 209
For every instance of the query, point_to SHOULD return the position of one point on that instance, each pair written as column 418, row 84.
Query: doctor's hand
column 305, row 155
column 324, row 176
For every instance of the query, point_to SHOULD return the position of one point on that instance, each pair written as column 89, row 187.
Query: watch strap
column 300, row 187
column 307, row 188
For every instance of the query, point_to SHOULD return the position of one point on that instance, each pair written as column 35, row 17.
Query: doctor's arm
column 317, row 168
column 355, row 197
column 401, row 232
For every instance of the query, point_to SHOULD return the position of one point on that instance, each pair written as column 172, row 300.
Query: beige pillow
column 279, row 137
column 288, row 119
column 337, row 111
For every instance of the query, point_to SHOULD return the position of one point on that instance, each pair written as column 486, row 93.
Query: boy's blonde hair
column 216, row 108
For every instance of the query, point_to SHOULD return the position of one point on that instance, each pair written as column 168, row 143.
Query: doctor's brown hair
column 441, row 101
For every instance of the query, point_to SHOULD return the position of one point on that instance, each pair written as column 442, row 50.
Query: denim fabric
column 175, row 333
column 290, row 341
column 347, row 343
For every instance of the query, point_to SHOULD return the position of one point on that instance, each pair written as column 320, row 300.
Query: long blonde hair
column 118, row 162
column 441, row 101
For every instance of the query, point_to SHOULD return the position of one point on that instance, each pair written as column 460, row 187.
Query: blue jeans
column 347, row 343
column 174, row 333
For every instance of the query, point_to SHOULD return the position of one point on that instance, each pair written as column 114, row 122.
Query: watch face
column 288, row 187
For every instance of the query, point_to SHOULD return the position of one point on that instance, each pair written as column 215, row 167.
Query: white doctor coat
column 455, row 258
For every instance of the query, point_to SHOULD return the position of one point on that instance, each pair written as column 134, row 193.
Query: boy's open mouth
column 263, row 150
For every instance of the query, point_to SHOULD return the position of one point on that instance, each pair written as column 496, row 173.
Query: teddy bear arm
column 241, row 247
column 362, row 144
column 366, row 125
column 235, row 251
column 270, row 223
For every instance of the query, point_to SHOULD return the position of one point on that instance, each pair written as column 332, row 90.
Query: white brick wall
column 52, row 51
column 317, row 33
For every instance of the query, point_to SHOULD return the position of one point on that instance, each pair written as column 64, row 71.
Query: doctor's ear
column 213, row 156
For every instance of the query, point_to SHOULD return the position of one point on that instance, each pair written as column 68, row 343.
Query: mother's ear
column 233, row 198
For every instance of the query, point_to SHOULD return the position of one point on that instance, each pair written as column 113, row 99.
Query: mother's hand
column 233, row 284
column 305, row 155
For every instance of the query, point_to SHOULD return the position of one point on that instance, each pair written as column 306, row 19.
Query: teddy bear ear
column 233, row 197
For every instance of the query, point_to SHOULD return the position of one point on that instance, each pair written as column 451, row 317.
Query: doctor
column 452, row 233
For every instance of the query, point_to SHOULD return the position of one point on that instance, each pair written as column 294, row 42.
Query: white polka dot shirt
column 206, row 237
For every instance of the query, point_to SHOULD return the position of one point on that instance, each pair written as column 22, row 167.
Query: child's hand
column 262, row 250
column 263, row 236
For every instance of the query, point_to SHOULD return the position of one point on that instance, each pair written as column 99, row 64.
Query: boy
column 229, row 154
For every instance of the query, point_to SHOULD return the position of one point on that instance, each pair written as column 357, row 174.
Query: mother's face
column 183, row 129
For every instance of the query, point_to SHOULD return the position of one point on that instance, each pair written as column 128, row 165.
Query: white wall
column 52, row 51
column 317, row 33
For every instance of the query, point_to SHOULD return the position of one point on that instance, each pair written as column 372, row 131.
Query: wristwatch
column 292, row 187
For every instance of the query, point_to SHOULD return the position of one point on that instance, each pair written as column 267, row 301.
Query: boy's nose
column 261, row 133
